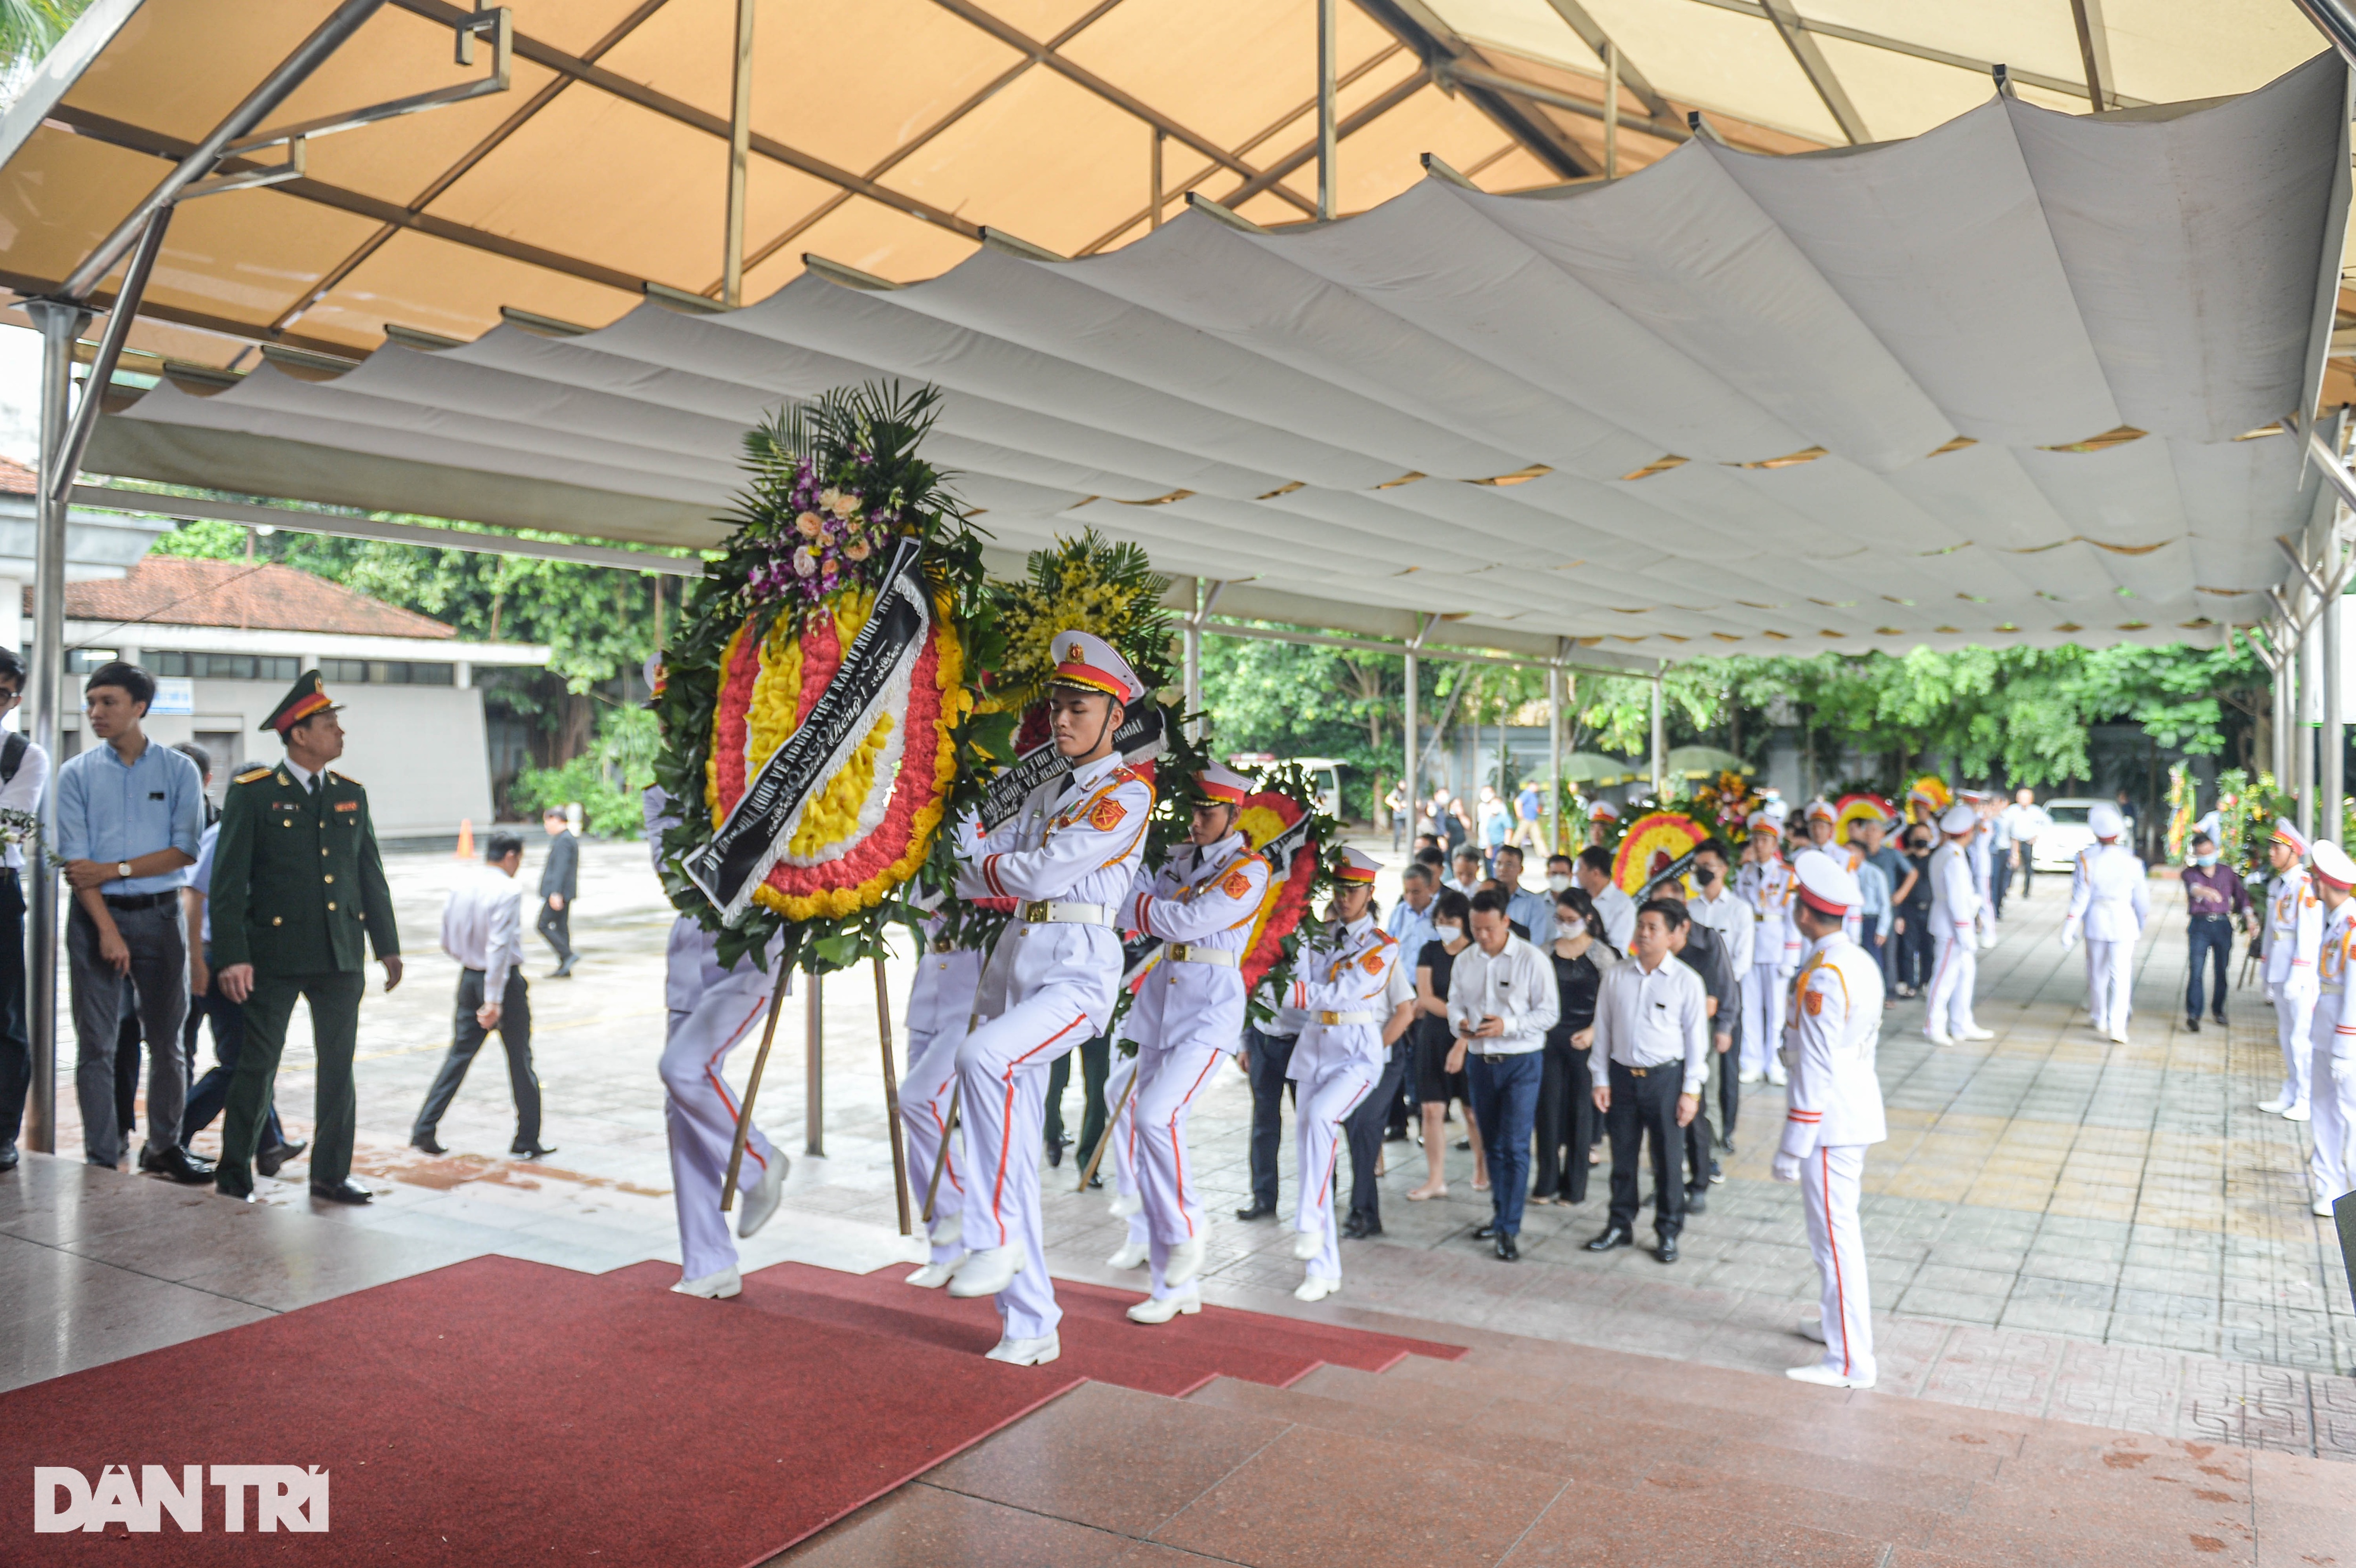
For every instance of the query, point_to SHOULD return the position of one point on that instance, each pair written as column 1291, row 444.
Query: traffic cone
column 465, row 839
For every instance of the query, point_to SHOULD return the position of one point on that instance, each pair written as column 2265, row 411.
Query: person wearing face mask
column 1567, row 1119
column 2216, row 900
column 1534, row 912
column 1435, row 1086
column 1718, row 908
column 1560, row 879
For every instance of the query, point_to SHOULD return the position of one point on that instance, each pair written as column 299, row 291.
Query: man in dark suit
column 1704, row 951
column 560, row 879
column 298, row 896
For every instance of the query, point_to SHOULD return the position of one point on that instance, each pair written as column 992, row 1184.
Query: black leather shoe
column 179, row 1164
column 241, row 1197
column 344, row 1191
column 1355, row 1229
column 1506, row 1251
column 1667, row 1251
column 1612, row 1236
column 2221, row 1020
column 270, row 1160
column 530, row 1151
column 8, row 1157
column 427, row 1142
column 1096, row 1183
column 1486, row 1232
column 2193, row 1024
column 1056, row 1152
column 1255, row 1210
column 1697, row 1199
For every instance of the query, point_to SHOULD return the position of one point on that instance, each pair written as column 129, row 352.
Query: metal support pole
column 1611, row 110
column 814, row 1069
column 1194, row 641
column 1153, row 212
column 740, row 154
column 2309, row 695
column 1660, row 743
column 1328, row 49
column 59, row 326
column 2278, row 753
column 1414, row 731
column 1554, row 759
column 2332, row 737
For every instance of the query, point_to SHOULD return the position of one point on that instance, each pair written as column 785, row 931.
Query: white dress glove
column 1787, row 1168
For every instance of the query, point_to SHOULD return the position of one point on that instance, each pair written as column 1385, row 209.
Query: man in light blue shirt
column 1409, row 922
column 1534, row 912
column 130, row 814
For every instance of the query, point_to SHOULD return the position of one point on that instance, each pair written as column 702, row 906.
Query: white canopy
column 2027, row 378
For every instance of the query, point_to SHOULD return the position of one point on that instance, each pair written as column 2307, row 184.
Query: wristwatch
column 123, row 869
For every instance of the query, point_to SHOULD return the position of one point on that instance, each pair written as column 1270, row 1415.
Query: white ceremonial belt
column 1331, row 1019
column 1184, row 952
column 1059, row 912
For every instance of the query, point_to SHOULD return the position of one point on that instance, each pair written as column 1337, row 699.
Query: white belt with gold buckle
column 1331, row 1020
column 1057, row 911
column 1181, row 953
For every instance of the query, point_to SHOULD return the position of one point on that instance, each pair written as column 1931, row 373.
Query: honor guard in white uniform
column 1765, row 883
column 2109, row 902
column 1835, row 1113
column 712, row 1011
column 1348, row 979
column 2333, row 1074
column 1068, row 858
column 1982, row 850
column 941, row 1011
column 1824, row 822
column 1954, row 917
column 2294, row 943
column 1187, row 1019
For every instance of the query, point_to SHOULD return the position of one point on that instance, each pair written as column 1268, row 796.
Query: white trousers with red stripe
column 2331, row 1094
column 1764, row 989
column 1828, row 1179
column 1120, row 1156
column 939, row 1010
column 1169, row 1080
column 1327, row 1092
column 1001, row 1070
column 2110, row 984
column 2294, row 1002
column 1953, row 980
column 700, row 1111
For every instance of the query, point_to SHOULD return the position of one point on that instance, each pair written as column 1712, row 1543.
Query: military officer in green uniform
column 297, row 880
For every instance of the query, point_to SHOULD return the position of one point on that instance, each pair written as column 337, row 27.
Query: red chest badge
column 1107, row 814
column 1236, row 883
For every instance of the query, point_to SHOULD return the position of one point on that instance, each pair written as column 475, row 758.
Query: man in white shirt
column 482, row 928
column 1501, row 1002
column 1652, row 1043
column 2024, row 820
column 24, row 775
column 1534, row 912
column 1614, row 908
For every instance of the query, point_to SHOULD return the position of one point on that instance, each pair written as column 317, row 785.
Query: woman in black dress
column 1566, row 1118
column 1434, row 1084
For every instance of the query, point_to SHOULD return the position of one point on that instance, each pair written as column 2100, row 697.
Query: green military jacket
column 294, row 881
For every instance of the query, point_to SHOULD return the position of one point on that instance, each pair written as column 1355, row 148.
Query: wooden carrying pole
column 892, row 1097
column 753, row 1088
column 1097, row 1158
column 941, row 1159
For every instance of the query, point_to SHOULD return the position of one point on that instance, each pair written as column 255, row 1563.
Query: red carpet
column 506, row 1413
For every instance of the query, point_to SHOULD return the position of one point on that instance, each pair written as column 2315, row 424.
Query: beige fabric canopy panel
column 2032, row 375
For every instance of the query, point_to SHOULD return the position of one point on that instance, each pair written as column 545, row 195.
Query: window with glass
column 223, row 667
column 387, row 672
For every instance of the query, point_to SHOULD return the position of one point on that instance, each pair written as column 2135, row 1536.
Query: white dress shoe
column 1026, row 1353
column 1307, row 1244
column 1316, row 1287
column 2279, row 1105
column 2298, row 1113
column 1124, row 1204
column 1186, row 1259
column 762, row 1202
column 932, row 1277
column 1162, row 1309
column 712, row 1287
column 1776, row 1075
column 2322, row 1209
column 1935, row 1038
column 948, row 1230
column 1813, row 1329
column 1976, row 1032
column 1749, row 1076
column 1825, row 1377
column 1131, row 1255
column 2119, row 1037
column 987, row 1272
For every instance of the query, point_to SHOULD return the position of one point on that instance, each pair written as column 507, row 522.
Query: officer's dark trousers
column 208, row 1094
column 1645, row 1108
column 1095, row 1066
column 16, row 1048
column 556, row 929
column 1565, row 1125
column 467, row 1035
column 1271, row 1055
column 1365, row 1129
column 335, row 998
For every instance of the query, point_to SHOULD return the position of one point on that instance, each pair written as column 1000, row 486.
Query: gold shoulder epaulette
column 250, row 774
column 343, row 778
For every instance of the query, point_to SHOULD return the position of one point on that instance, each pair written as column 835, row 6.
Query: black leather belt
column 139, row 901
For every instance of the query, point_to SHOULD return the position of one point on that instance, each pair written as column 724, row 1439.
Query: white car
column 2058, row 845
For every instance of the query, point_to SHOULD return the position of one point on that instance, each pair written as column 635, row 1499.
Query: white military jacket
column 1954, row 899
column 2338, row 1000
column 1829, row 1042
column 1766, row 887
column 1202, row 903
column 2110, row 896
column 2295, row 921
column 1347, row 980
